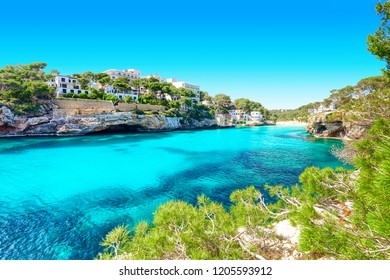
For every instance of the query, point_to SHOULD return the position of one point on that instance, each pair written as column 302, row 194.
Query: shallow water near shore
column 60, row 196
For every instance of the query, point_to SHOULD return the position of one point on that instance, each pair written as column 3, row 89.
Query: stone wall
column 62, row 113
column 91, row 106
column 126, row 107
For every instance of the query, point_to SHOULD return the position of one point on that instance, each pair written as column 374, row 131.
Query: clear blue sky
column 281, row 53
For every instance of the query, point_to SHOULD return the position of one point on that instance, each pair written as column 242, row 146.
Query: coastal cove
column 61, row 195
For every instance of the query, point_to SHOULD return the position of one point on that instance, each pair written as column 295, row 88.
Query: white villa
column 236, row 114
column 332, row 106
column 156, row 76
column 66, row 84
column 132, row 74
column 121, row 94
column 256, row 116
column 240, row 115
column 181, row 84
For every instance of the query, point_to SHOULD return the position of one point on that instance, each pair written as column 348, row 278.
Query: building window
column 74, row 81
column 62, row 79
column 63, row 90
column 72, row 91
column 79, row 91
column 63, row 86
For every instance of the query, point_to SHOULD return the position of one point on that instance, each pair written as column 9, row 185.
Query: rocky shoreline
column 333, row 125
column 48, row 123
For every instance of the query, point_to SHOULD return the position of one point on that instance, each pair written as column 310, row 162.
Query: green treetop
column 222, row 102
column 379, row 43
column 22, row 86
column 122, row 84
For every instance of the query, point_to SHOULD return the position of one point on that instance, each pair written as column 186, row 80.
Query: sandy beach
column 291, row 123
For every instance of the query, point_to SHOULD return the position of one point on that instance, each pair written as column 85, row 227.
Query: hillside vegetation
column 23, row 86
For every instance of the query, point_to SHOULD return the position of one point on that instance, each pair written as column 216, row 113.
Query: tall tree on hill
column 122, row 84
column 137, row 85
column 204, row 96
column 379, row 43
column 82, row 80
column 105, row 82
column 223, row 102
column 243, row 104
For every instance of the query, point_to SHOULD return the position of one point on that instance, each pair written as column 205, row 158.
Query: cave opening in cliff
column 321, row 129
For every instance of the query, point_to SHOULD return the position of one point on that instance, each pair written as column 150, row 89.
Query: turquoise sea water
column 60, row 196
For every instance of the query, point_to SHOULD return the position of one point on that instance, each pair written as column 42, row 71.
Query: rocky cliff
column 50, row 122
column 336, row 124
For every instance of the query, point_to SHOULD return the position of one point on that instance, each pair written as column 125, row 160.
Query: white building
column 132, row 74
column 180, row 84
column 240, row 115
column 121, row 95
column 156, row 76
column 236, row 114
column 332, row 106
column 66, row 84
column 256, row 116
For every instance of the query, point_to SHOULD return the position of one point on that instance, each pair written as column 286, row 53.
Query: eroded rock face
column 356, row 130
column 334, row 124
column 9, row 123
column 327, row 124
column 49, row 124
column 194, row 124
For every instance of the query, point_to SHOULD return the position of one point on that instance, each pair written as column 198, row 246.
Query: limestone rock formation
column 326, row 124
column 337, row 124
column 52, row 122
